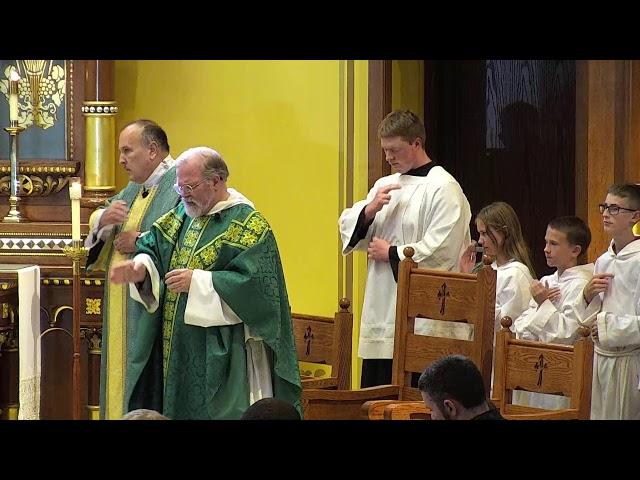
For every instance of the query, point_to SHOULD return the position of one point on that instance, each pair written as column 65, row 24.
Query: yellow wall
column 277, row 125
column 407, row 83
column 360, row 190
column 284, row 129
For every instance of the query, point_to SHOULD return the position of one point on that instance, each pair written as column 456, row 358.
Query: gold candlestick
column 14, row 215
column 78, row 254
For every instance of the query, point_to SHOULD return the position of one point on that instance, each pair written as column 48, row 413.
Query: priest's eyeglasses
column 185, row 190
column 613, row 209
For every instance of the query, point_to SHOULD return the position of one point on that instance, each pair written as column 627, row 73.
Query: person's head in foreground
column 143, row 414
column 271, row 409
column 453, row 389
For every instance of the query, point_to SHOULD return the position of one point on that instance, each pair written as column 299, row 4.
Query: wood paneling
column 607, row 137
column 379, row 107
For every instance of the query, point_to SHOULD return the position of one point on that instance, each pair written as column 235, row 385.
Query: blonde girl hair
column 500, row 217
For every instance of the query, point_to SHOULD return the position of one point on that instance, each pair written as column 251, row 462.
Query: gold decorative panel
column 93, row 306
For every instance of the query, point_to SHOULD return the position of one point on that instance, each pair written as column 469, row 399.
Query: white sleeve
column 150, row 299
column 204, row 307
column 95, row 235
column 552, row 325
column 258, row 368
column 448, row 231
column 522, row 325
column 561, row 326
column 586, row 314
column 349, row 219
column 514, row 297
column 620, row 330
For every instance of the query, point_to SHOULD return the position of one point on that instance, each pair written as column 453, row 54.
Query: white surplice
column 615, row 393
column 430, row 214
column 513, row 283
column 556, row 322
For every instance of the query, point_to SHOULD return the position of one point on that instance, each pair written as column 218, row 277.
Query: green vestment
column 194, row 372
column 162, row 198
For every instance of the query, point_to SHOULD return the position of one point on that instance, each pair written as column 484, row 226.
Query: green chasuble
column 119, row 310
column 194, row 372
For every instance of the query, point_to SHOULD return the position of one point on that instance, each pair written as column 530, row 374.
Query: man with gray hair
column 216, row 335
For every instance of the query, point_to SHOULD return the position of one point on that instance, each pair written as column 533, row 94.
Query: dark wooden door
column 506, row 130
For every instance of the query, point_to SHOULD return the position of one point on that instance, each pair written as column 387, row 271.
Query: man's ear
column 153, row 149
column 450, row 408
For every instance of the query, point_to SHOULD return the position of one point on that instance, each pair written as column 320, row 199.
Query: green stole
column 191, row 372
column 118, row 306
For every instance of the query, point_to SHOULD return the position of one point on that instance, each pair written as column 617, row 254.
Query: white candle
column 75, row 193
column 14, row 78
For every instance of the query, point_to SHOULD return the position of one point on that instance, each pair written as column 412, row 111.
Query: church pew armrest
column 363, row 394
column 406, row 411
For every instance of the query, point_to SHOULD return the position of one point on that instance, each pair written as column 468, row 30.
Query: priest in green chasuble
column 216, row 335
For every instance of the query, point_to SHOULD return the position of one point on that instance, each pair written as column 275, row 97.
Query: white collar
column 162, row 168
column 235, row 198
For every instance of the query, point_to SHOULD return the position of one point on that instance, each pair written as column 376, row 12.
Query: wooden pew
column 433, row 294
column 531, row 366
column 327, row 341
column 543, row 368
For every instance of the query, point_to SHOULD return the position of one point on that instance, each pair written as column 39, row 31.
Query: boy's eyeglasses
column 613, row 209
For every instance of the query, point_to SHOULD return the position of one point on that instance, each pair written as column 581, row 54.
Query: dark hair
column 631, row 191
column 271, row 409
column 151, row 132
column 453, row 377
column 404, row 124
column 575, row 229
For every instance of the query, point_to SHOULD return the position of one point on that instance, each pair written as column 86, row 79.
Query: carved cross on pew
column 443, row 294
column 308, row 336
column 540, row 366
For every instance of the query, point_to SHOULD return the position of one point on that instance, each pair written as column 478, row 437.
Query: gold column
column 100, row 127
column 99, row 110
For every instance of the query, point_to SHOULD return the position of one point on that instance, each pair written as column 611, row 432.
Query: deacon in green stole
column 112, row 235
column 217, row 335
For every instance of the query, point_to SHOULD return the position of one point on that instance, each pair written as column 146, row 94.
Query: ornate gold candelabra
column 78, row 254
column 14, row 215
